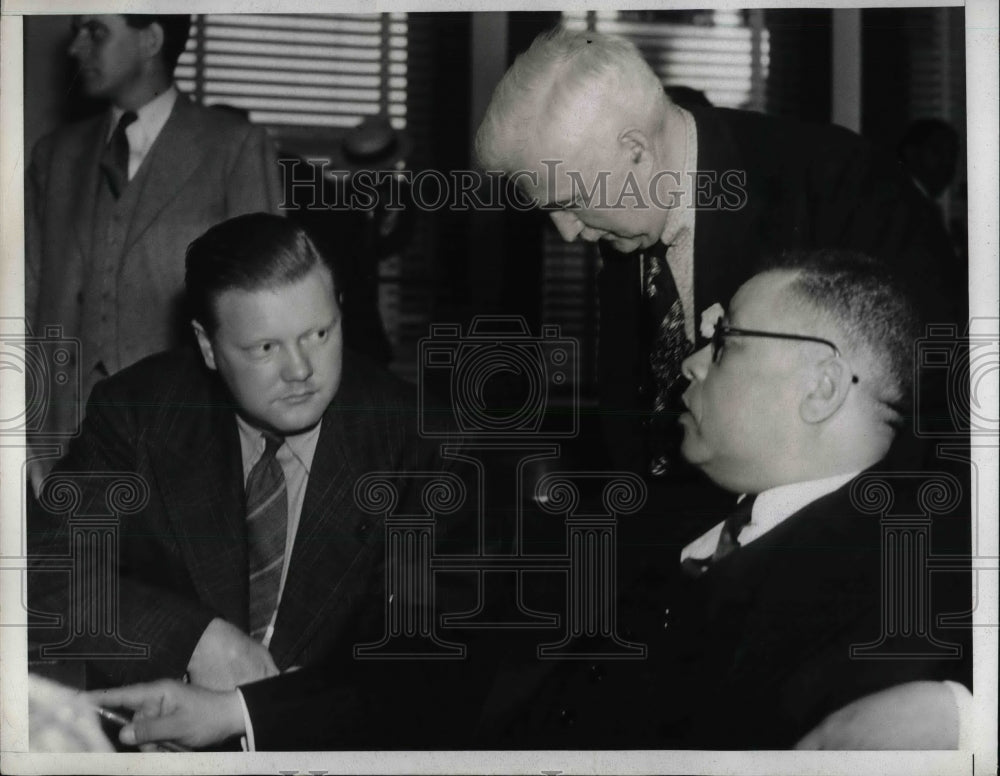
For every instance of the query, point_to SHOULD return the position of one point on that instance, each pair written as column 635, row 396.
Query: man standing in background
column 113, row 201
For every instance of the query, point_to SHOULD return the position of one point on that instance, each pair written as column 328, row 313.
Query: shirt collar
column 150, row 119
column 300, row 447
column 772, row 507
column 681, row 218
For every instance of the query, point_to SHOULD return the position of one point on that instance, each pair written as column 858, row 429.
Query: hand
column 168, row 710
column 225, row 657
column 915, row 715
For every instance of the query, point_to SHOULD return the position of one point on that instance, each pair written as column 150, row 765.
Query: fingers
column 148, row 697
column 144, row 729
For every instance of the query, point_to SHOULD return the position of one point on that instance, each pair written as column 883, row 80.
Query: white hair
column 564, row 72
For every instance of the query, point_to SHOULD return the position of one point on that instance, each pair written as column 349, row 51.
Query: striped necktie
column 114, row 160
column 728, row 539
column 267, row 522
column 669, row 347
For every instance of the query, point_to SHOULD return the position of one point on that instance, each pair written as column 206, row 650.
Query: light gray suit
column 205, row 166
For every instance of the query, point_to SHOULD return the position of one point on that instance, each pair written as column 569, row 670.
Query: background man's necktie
column 267, row 521
column 114, row 160
column 728, row 539
column 669, row 347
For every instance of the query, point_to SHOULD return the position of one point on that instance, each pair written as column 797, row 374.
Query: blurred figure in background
column 113, row 201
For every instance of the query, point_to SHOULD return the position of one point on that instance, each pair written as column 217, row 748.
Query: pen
column 117, row 719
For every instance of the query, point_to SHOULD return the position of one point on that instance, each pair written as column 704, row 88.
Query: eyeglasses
column 722, row 331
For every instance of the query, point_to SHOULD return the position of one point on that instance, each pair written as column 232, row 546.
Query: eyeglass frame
column 721, row 331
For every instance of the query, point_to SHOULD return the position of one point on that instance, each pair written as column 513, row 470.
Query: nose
column 695, row 366
column 78, row 43
column 297, row 367
column 569, row 225
column 74, row 45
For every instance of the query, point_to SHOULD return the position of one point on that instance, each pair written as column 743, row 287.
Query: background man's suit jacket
column 183, row 557
column 205, row 166
column 754, row 653
column 807, row 186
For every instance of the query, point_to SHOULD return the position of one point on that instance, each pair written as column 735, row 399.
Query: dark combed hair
column 869, row 306
column 249, row 252
column 176, row 30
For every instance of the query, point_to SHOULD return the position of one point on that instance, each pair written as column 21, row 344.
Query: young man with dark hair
column 113, row 201
column 250, row 555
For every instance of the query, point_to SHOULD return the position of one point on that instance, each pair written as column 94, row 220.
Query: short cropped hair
column 250, row 252
column 176, row 30
column 559, row 69
column 870, row 308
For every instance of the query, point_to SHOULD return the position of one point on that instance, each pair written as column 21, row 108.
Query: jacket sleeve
column 35, row 185
column 252, row 182
column 152, row 631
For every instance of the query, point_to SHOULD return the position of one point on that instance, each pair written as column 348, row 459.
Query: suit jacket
column 754, row 653
column 806, row 186
column 183, row 556
column 205, row 166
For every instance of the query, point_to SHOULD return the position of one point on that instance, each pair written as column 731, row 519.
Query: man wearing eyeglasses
column 684, row 202
column 795, row 401
column 794, row 407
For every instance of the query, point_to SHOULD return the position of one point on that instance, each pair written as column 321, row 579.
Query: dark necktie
column 669, row 347
column 114, row 160
column 267, row 521
column 728, row 539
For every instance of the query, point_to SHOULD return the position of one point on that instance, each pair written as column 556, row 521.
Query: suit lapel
column 175, row 156
column 85, row 174
column 201, row 477
column 327, row 563
column 725, row 242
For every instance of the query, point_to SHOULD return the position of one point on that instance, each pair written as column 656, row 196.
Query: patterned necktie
column 669, row 347
column 267, row 521
column 114, row 160
column 728, row 539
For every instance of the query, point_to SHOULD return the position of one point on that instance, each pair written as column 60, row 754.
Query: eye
column 262, row 350
column 96, row 32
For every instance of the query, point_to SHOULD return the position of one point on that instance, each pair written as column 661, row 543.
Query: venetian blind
column 316, row 70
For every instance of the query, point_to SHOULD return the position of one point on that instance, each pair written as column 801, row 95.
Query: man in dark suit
column 216, row 584
column 113, row 201
column 795, row 404
column 582, row 123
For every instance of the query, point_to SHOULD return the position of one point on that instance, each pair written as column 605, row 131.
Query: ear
column 831, row 382
column 636, row 143
column 151, row 40
column 204, row 344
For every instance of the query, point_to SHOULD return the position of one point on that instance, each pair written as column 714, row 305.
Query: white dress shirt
column 772, row 507
column 295, row 457
column 142, row 132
